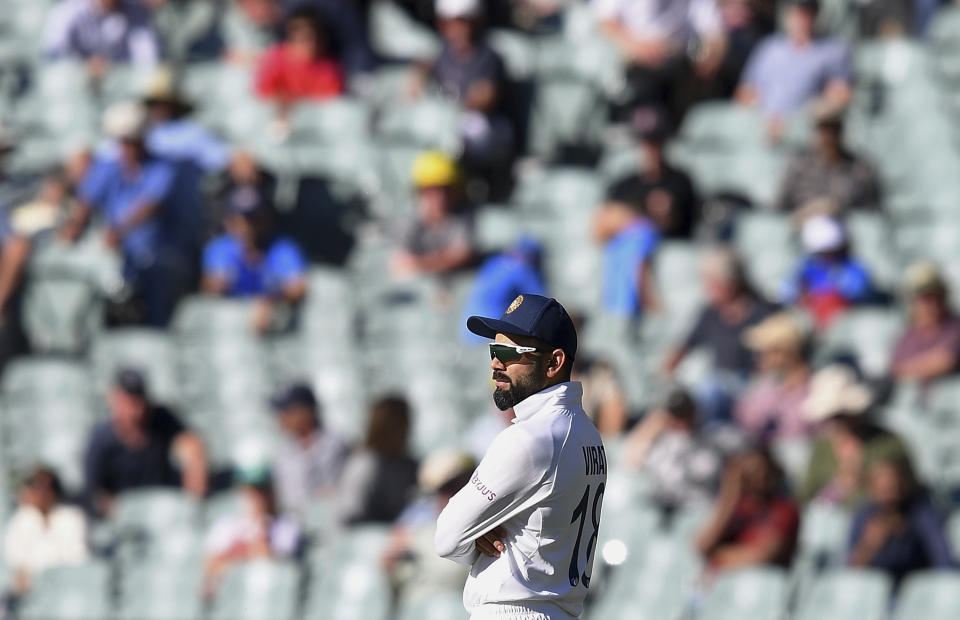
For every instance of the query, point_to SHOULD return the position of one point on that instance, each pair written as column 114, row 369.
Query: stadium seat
column 335, row 121
column 346, row 579
column 32, row 379
column 568, row 114
column 150, row 350
column 155, row 512
column 447, row 606
column 69, row 593
column 843, row 594
column 258, row 590
column 430, row 122
column 758, row 594
column 393, row 34
column 61, row 312
column 160, row 592
column 824, row 532
column 723, row 126
column 519, row 52
column 930, row 595
column 869, row 333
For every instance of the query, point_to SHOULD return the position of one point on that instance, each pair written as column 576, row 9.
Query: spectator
column 132, row 189
column 754, row 520
column 657, row 190
column 440, row 240
column 300, row 67
column 629, row 245
column 414, row 568
column 898, row 531
column 746, row 22
column 772, row 407
column 134, row 447
column 732, row 308
column 829, row 280
column 250, row 260
column 310, row 459
column 379, row 479
column 255, row 532
column 501, row 278
column 175, row 138
column 470, row 72
column 788, row 71
column 829, row 172
column 102, row 32
column 848, row 443
column 654, row 39
column 930, row 348
column 682, row 462
column 348, row 32
column 604, row 400
column 43, row 532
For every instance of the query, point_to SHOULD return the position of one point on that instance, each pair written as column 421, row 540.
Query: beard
column 520, row 389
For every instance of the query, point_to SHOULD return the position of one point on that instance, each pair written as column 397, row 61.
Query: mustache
column 499, row 376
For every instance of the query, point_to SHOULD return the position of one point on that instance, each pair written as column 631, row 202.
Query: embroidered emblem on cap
column 515, row 304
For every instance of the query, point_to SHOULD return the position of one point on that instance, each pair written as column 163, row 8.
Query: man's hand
column 491, row 543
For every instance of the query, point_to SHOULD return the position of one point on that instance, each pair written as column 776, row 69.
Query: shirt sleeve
column 840, row 66
column 216, row 259
column 93, row 186
column 269, row 73
column 288, row 263
column 705, row 17
column 144, row 49
column 854, row 282
column 506, row 478
column 753, row 72
column 157, row 183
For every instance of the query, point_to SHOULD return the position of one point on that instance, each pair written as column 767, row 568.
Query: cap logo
column 515, row 304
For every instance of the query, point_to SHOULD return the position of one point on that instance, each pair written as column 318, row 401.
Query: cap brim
column 489, row 328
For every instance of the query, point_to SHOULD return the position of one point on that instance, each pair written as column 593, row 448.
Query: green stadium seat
column 568, row 113
column 519, row 52
column 258, row 590
column 31, row 379
column 69, row 593
column 347, row 581
column 181, row 25
column 206, row 317
column 870, row 333
column 150, row 350
column 848, row 593
column 161, row 592
column 758, row 594
column 448, row 606
column 155, row 512
column 428, row 122
column 724, row 126
column 395, row 35
column 337, row 120
column 824, row 532
column 930, row 595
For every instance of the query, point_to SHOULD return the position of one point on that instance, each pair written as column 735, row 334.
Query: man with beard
column 527, row 521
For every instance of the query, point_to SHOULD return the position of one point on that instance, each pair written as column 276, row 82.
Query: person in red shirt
column 754, row 521
column 299, row 67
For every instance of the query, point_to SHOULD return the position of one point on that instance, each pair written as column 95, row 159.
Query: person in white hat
column 830, row 279
column 930, row 347
column 849, row 443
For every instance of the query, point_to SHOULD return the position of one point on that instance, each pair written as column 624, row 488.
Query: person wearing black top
column 133, row 448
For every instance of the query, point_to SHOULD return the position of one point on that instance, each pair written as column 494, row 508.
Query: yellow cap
column 435, row 169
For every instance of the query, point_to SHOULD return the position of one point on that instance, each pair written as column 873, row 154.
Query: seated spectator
column 657, row 190
column 134, row 447
column 848, row 443
column 604, row 400
column 772, row 407
column 300, row 67
column 930, row 348
column 132, row 190
column 747, row 23
column 898, row 531
column 255, row 532
column 830, row 279
column 789, row 71
column 101, row 32
column 43, row 532
column 414, row 568
column 348, row 32
column 754, row 521
column 471, row 72
column 503, row 277
column 732, row 308
column 628, row 288
column 654, row 39
column 440, row 240
column 379, row 478
column 829, row 172
column 250, row 260
column 310, row 458
column 682, row 462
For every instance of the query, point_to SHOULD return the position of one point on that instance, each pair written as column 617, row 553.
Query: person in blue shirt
column 829, row 280
column 130, row 191
column 627, row 280
column 251, row 261
column 898, row 531
column 502, row 278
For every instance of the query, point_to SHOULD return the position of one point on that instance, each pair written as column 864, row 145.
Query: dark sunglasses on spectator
column 507, row 353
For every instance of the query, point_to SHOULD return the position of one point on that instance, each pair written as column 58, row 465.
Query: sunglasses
column 507, row 353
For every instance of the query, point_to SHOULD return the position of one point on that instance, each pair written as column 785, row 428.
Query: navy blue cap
column 533, row 316
column 296, row 394
column 131, row 381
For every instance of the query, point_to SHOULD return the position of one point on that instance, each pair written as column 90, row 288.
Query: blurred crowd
column 774, row 423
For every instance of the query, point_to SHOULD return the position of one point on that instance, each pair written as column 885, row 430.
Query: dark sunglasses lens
column 504, row 354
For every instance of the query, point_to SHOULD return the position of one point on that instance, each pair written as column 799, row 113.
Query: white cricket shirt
column 542, row 479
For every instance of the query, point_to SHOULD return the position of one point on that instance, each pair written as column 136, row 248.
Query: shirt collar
column 563, row 395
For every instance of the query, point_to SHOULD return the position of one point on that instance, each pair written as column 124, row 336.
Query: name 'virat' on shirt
column 594, row 460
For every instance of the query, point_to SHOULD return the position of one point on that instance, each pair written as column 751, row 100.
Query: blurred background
column 239, row 239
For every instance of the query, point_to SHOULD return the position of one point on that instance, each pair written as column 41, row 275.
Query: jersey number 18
column 581, row 513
